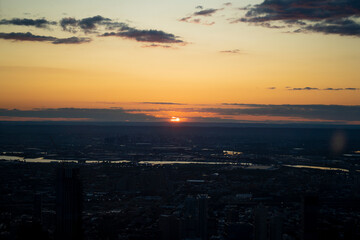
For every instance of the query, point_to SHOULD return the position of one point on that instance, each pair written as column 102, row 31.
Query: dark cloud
column 199, row 7
column 94, row 24
column 235, row 51
column 36, row 38
column 111, row 115
column 271, row 10
column 26, row 37
column 185, row 19
column 323, row 112
column 334, row 113
column 340, row 17
column 86, row 24
column 324, row 89
column 206, row 12
column 39, row 23
column 333, row 89
column 341, row 27
column 164, row 103
column 305, row 88
column 71, row 40
column 227, row 4
column 155, row 36
column 69, row 24
column 271, row 88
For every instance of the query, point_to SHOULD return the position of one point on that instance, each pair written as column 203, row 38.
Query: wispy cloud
column 163, row 103
column 206, row 12
column 234, row 51
column 324, row 89
column 157, row 46
column 316, row 89
column 196, row 21
column 194, row 17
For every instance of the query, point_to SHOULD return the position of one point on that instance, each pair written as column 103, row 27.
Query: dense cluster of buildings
column 182, row 185
column 203, row 202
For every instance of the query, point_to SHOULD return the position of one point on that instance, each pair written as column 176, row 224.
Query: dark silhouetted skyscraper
column 68, row 204
column 170, row 227
column 203, row 215
column 310, row 209
column 275, row 227
column 238, row 231
column 190, row 218
column 195, row 217
column 260, row 223
column 37, row 207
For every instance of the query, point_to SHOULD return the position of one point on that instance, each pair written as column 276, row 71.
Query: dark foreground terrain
column 179, row 182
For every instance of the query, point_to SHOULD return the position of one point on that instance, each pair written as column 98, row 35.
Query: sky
column 270, row 61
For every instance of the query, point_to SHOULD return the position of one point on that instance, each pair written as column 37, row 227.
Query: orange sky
column 195, row 64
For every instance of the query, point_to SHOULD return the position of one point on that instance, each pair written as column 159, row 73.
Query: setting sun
column 175, row 119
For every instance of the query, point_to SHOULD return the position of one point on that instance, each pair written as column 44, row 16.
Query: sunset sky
column 200, row 61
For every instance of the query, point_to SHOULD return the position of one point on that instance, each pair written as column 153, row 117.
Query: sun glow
column 175, row 119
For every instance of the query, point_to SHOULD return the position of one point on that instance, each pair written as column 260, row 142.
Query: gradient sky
column 262, row 61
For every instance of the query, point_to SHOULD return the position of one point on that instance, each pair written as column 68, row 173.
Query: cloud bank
column 36, row 38
column 96, row 26
column 226, row 112
column 112, row 115
column 341, row 17
column 323, row 112
column 164, row 103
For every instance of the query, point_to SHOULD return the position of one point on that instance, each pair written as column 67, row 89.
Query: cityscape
column 179, row 182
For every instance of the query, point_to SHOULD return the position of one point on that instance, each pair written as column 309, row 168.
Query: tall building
column 195, row 217
column 276, row 228
column 190, row 218
column 37, row 208
column 260, row 223
column 231, row 213
column 238, row 230
column 203, row 215
column 169, row 227
column 68, row 204
column 310, row 209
